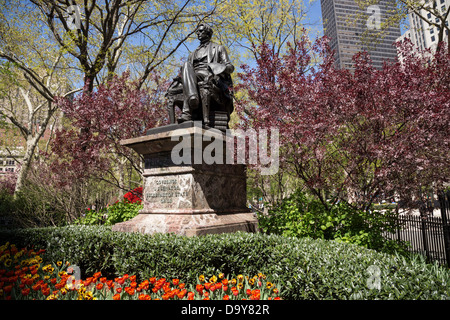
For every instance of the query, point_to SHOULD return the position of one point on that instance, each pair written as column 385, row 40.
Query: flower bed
column 303, row 269
column 26, row 277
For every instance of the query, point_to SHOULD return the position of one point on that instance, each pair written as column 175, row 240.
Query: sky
column 316, row 15
column 316, row 18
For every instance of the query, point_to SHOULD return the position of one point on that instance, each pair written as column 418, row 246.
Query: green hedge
column 302, row 268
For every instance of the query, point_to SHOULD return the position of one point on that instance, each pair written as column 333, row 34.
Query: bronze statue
column 203, row 90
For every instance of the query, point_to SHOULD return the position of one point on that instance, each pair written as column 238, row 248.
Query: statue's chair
column 215, row 107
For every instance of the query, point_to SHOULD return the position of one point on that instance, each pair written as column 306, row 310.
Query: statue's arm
column 224, row 59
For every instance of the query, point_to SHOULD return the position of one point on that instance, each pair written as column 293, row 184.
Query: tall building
column 352, row 29
column 422, row 34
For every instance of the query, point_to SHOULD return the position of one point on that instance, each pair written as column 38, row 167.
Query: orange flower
column 129, row 290
column 25, row 292
column 97, row 275
column 152, row 280
column 7, row 289
column 133, row 284
column 199, row 288
column 110, row 284
column 182, row 294
column 88, row 281
column 45, row 291
column 116, row 296
column 175, row 281
column 59, row 285
column 99, row 286
column 191, row 295
column 165, row 296
column 144, row 297
column 119, row 290
column 133, row 278
column 182, row 286
column 103, row 279
column 226, row 297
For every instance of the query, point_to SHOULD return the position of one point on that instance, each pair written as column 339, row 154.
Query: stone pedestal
column 193, row 196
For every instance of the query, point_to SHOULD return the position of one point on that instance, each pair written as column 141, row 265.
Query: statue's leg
column 206, row 102
column 190, row 89
column 171, row 109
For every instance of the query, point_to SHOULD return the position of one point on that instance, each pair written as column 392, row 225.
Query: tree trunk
column 32, row 142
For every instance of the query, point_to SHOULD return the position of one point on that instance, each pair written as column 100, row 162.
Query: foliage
column 91, row 148
column 399, row 11
column 26, row 276
column 301, row 215
column 302, row 268
column 30, row 208
column 8, row 182
column 115, row 213
column 246, row 25
column 359, row 134
column 121, row 211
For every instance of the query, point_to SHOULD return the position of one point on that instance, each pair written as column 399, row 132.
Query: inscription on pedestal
column 166, row 191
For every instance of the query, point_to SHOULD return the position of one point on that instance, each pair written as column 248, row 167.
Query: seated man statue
column 205, row 80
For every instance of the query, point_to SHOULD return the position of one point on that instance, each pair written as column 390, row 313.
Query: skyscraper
column 352, row 29
column 422, row 34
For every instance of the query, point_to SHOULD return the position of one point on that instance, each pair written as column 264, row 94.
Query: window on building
column 442, row 1
column 433, row 39
column 431, row 30
column 10, row 162
column 429, row 15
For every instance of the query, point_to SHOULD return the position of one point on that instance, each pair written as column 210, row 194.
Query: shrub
column 303, row 268
column 28, row 209
column 26, row 276
column 304, row 216
column 121, row 211
column 118, row 212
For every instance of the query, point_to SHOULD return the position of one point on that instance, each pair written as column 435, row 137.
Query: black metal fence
column 428, row 235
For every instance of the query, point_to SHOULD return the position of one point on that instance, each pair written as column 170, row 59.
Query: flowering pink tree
column 356, row 134
column 8, row 182
column 99, row 120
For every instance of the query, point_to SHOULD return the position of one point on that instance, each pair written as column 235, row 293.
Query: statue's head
column 204, row 32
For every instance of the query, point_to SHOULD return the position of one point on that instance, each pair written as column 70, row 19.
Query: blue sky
column 315, row 15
